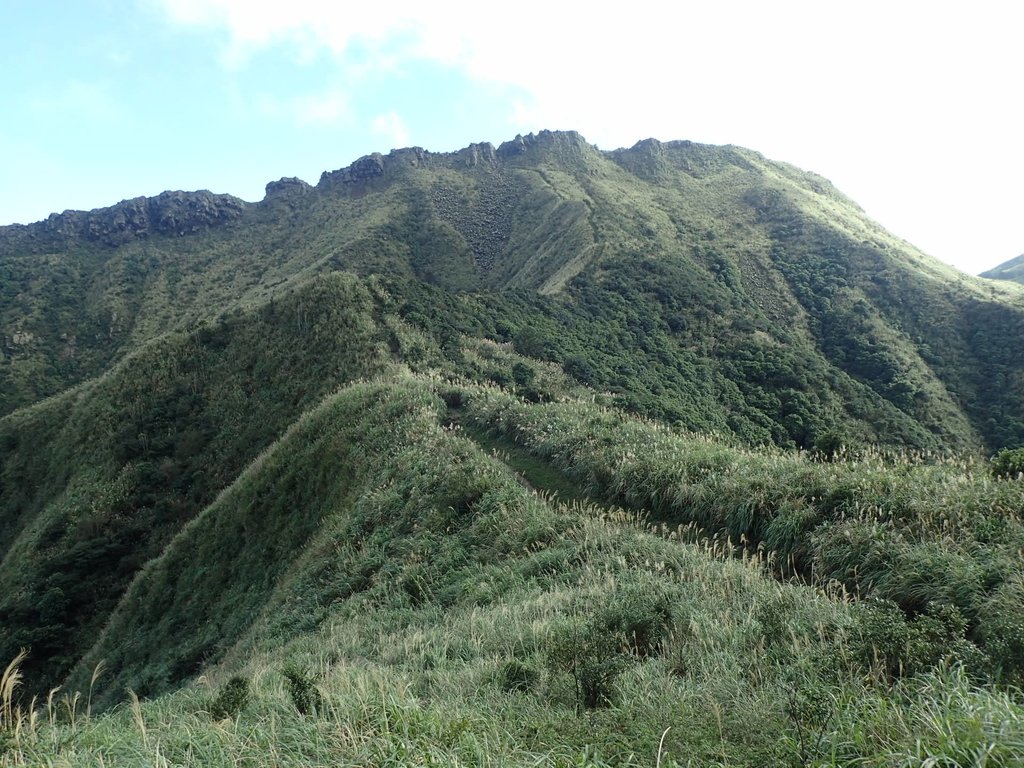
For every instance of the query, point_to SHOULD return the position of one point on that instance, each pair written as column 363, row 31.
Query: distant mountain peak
column 1008, row 270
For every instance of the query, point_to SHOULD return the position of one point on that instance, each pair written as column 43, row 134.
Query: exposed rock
column 513, row 147
column 169, row 213
column 564, row 142
column 179, row 213
column 410, row 156
column 377, row 165
column 486, row 222
column 21, row 338
column 286, row 186
column 650, row 159
column 363, row 169
column 475, row 154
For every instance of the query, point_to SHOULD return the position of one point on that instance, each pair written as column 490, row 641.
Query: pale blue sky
column 913, row 108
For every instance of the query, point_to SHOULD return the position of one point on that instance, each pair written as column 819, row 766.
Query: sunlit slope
column 371, row 543
column 381, row 487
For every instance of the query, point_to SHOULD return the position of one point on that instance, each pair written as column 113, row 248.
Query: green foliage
column 639, row 617
column 313, row 477
column 939, row 540
column 1008, row 270
column 231, row 699
column 1001, row 629
column 894, row 646
column 1008, row 464
column 830, row 445
column 593, row 650
column 800, row 313
column 515, row 676
column 305, row 696
column 811, row 707
column 937, row 719
column 113, row 472
column 589, row 657
column 522, row 375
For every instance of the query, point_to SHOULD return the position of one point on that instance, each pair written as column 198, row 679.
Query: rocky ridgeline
column 564, row 144
column 374, row 166
column 169, row 213
column 486, row 221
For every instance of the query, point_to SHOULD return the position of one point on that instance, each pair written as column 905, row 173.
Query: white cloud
column 726, row 66
column 309, row 25
column 391, row 126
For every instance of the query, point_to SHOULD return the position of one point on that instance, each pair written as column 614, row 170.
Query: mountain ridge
column 747, row 246
column 516, row 454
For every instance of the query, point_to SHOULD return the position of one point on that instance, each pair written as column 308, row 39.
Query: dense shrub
column 1008, row 464
column 639, row 617
column 231, row 699
column 304, row 694
column 589, row 657
column 894, row 646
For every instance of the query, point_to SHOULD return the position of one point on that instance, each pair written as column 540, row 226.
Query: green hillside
column 1009, row 270
column 748, row 297
column 528, row 455
column 381, row 586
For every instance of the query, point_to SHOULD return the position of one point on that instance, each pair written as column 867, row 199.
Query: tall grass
column 920, row 532
column 425, row 612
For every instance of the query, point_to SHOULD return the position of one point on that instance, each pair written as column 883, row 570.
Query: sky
column 913, row 109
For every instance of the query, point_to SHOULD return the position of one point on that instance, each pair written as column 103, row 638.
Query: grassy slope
column 924, row 536
column 84, row 304
column 434, row 611
column 97, row 481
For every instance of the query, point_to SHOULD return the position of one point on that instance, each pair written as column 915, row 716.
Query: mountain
column 1009, row 270
column 748, row 297
column 416, row 463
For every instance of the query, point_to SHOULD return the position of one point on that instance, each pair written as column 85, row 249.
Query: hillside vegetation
column 702, row 284
column 1010, row 270
column 536, row 455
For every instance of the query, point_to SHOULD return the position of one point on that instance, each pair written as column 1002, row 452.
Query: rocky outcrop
column 560, row 142
column 288, row 186
column 476, row 154
column 363, row 169
column 483, row 154
column 183, row 213
column 169, row 213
